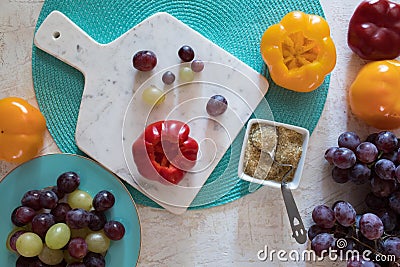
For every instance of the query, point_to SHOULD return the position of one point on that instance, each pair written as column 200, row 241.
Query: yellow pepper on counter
column 374, row 96
column 22, row 128
column 299, row 51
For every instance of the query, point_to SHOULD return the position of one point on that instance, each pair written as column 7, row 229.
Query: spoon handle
column 299, row 232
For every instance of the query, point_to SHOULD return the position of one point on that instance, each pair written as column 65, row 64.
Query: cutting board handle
column 62, row 38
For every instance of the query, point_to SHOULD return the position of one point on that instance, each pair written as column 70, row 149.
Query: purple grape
column 77, row 247
column 385, row 169
column 22, row 215
column 315, row 230
column 103, row 200
column 68, row 182
column 144, row 60
column 32, row 199
column 48, row 199
column 349, row 140
column 329, row 154
column 114, row 230
column 371, row 138
column 323, row 216
column 344, row 213
column 61, row 264
column 375, row 203
column 340, row 176
column 25, row 261
column 391, row 246
column 197, row 65
column 60, row 194
column 382, row 188
column 392, row 156
column 322, row 242
column 394, row 202
column 97, row 220
column 342, row 232
column 371, row 226
column 360, row 173
column 398, row 153
column 168, row 77
column 186, row 53
column 94, row 260
column 397, row 173
column 13, row 239
column 60, row 211
column 386, row 141
column 366, row 152
column 344, row 158
column 389, row 220
column 38, row 263
column 41, row 223
column 77, row 218
column 216, row 105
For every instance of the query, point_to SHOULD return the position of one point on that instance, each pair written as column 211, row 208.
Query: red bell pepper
column 374, row 30
column 165, row 151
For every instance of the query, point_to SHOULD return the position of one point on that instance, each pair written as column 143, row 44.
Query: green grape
column 186, row 74
column 81, row 232
column 51, row 256
column 29, row 244
column 97, row 242
column 58, row 236
column 153, row 96
column 68, row 258
column 80, row 200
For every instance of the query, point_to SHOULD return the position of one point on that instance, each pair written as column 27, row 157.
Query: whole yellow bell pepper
column 374, row 95
column 22, row 129
column 299, row 51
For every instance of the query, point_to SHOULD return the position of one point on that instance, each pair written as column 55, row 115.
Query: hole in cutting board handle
column 56, row 35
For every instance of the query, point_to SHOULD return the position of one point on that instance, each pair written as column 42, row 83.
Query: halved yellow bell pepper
column 299, row 51
column 22, row 128
column 374, row 95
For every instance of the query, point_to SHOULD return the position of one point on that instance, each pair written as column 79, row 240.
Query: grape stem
column 355, row 239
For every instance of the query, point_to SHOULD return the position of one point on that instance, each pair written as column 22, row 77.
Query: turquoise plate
column 42, row 172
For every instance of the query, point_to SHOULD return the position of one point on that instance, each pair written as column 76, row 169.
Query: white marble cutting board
column 112, row 115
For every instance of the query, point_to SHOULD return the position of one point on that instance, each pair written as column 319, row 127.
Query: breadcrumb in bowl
column 265, row 139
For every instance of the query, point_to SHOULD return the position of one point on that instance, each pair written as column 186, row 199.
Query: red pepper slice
column 374, row 30
column 165, row 151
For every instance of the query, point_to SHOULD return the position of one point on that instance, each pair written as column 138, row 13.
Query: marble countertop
column 231, row 234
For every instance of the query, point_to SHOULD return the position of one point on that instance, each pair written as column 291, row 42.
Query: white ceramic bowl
column 296, row 179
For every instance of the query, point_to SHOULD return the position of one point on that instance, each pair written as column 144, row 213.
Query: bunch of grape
column 374, row 161
column 340, row 229
column 63, row 226
column 361, row 162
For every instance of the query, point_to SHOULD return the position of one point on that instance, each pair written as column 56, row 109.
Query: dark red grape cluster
column 376, row 162
column 340, row 229
column 63, row 226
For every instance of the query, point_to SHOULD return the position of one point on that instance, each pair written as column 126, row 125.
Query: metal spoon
column 298, row 231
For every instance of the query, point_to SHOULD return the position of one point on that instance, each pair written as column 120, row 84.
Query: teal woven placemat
column 234, row 25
